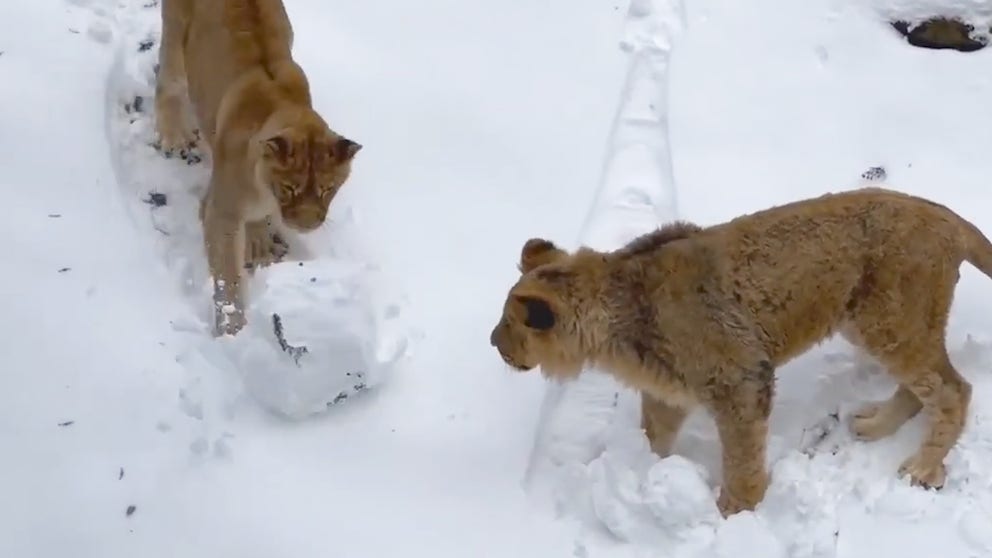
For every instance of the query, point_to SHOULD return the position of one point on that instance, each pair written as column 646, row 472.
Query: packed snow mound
column 659, row 502
column 311, row 338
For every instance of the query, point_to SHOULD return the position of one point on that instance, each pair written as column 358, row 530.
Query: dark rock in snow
column 941, row 33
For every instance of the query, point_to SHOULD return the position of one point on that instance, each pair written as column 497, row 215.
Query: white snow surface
column 129, row 431
column 311, row 338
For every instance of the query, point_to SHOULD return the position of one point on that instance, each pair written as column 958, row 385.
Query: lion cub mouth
column 513, row 364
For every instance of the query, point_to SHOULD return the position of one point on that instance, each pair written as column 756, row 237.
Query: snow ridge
column 636, row 193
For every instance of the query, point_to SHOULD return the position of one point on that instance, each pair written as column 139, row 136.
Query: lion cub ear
column 276, row 147
column 540, row 316
column 345, row 149
column 537, row 252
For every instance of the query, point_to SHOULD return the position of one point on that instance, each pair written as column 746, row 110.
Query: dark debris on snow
column 156, row 199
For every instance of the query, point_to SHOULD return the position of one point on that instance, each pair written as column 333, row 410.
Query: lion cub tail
column 978, row 249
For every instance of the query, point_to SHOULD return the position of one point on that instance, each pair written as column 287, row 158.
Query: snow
column 483, row 124
column 311, row 339
column 758, row 118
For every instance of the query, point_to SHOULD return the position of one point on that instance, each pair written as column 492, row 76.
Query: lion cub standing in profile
column 273, row 157
column 703, row 316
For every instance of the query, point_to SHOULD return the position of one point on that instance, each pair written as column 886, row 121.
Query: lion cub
column 273, row 158
column 703, row 316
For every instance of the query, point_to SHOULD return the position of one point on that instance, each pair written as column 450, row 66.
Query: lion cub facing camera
column 273, row 158
column 703, row 316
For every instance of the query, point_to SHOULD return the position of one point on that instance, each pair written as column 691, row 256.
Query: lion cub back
column 808, row 268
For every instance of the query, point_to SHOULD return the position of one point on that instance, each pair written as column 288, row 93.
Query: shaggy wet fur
column 704, row 316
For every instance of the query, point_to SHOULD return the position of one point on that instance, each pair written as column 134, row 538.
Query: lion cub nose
column 492, row 336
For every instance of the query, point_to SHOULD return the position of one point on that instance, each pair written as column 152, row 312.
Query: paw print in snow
column 874, row 174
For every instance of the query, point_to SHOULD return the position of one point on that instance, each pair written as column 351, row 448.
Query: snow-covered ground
column 771, row 101
column 127, row 431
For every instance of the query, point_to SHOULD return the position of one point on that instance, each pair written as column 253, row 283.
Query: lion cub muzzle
column 305, row 218
column 499, row 338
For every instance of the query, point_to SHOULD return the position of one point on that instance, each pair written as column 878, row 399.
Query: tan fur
column 274, row 159
column 703, row 316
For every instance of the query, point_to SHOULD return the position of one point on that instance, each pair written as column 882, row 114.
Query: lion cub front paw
column 177, row 140
column 925, row 472
column 728, row 504
column 173, row 138
column 229, row 319
column 263, row 247
column 743, row 493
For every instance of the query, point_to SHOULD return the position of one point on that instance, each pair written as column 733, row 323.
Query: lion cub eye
column 287, row 190
column 539, row 314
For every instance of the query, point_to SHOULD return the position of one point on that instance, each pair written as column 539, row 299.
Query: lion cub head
column 540, row 325
column 305, row 164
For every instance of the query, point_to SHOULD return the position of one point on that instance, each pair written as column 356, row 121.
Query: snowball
column 641, row 499
column 311, row 337
column 679, row 493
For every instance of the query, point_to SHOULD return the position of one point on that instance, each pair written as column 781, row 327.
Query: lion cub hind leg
column 879, row 419
column 944, row 396
column 661, row 423
column 171, row 96
column 906, row 333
